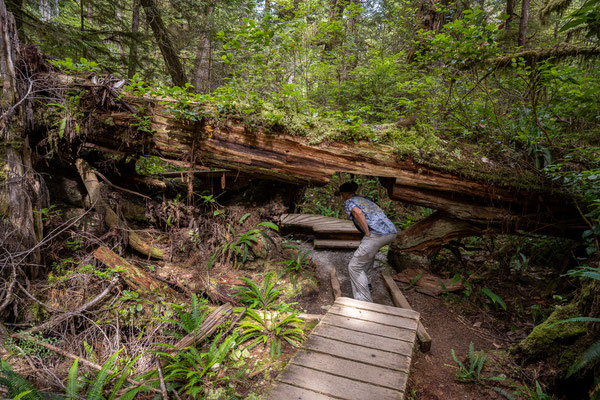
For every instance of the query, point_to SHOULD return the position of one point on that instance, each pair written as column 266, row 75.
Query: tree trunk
column 164, row 42
column 522, row 41
column 510, row 9
column 133, row 45
column 203, row 63
column 20, row 193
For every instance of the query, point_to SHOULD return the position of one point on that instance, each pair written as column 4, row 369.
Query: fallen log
column 335, row 284
column 208, row 327
column 138, row 279
column 112, row 219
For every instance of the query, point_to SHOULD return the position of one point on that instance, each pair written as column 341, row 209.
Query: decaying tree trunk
column 21, row 190
column 112, row 219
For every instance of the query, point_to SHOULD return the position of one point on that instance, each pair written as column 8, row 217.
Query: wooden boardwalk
column 328, row 231
column 359, row 351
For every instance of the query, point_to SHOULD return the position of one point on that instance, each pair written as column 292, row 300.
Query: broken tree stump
column 400, row 301
column 138, row 279
column 112, row 219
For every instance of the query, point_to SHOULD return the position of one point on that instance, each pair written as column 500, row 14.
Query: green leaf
column 494, row 297
column 61, row 129
column 72, row 388
column 268, row 224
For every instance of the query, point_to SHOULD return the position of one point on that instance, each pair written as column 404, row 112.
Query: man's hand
column 360, row 218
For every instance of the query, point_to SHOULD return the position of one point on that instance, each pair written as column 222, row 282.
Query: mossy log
column 280, row 156
column 559, row 51
column 138, row 279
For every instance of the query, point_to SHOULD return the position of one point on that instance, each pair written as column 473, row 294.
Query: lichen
column 548, row 334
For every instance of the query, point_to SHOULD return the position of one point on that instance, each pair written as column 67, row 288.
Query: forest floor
column 432, row 376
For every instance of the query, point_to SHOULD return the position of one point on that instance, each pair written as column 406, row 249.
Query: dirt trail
column 431, row 376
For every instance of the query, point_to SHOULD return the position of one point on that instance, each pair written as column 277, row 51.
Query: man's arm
column 360, row 218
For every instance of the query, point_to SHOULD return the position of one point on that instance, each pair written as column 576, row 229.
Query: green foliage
column 67, row 64
column 238, row 245
column 471, row 370
column 299, row 261
column 191, row 321
column 16, row 385
column 494, row 297
column 193, row 368
column 270, row 328
column 255, row 296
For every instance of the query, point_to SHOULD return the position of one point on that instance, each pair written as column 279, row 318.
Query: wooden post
column 335, row 284
column 400, row 301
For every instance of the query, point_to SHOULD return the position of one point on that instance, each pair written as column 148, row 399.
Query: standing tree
column 174, row 66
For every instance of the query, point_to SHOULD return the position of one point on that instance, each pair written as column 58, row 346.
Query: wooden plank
column 337, row 386
column 372, row 316
column 363, row 339
column 358, row 353
column 401, row 312
column 335, row 284
column 336, row 244
column 400, row 301
column 351, row 369
column 283, row 391
column 358, row 325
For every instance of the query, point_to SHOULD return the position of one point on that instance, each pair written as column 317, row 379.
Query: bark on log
column 112, row 219
column 138, row 279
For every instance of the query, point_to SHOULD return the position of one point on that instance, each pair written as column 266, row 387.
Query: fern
column 494, row 297
column 17, row 385
column 72, row 388
column 95, row 391
column 254, row 296
column 588, row 357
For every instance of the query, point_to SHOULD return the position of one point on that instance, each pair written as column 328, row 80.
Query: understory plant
column 470, row 371
column 238, row 245
column 192, row 368
column 270, row 327
column 272, row 322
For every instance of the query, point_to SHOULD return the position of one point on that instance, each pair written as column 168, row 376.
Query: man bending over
column 378, row 231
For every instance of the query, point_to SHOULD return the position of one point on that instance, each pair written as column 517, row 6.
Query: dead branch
column 559, row 51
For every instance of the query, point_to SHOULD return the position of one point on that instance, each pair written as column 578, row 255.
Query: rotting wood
column 135, row 277
column 71, row 356
column 335, row 284
column 400, row 301
column 112, row 219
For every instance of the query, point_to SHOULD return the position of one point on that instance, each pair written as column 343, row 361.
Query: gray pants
column 361, row 263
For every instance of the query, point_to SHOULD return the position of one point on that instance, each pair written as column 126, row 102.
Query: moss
column 546, row 336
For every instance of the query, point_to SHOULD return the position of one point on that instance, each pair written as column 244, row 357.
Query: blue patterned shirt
column 379, row 224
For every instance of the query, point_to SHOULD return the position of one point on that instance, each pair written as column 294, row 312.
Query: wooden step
column 336, row 244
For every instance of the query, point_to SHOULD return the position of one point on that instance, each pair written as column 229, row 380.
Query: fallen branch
column 335, row 284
